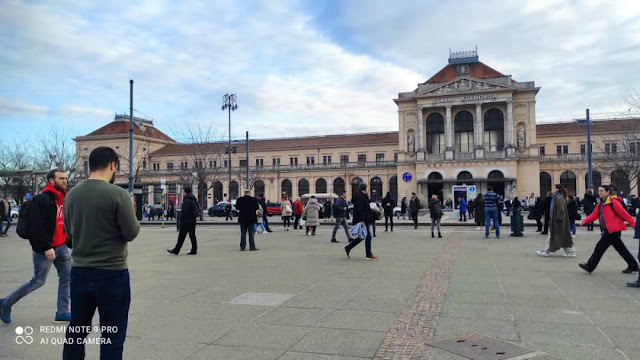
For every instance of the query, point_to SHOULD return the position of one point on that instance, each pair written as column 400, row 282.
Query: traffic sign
column 407, row 177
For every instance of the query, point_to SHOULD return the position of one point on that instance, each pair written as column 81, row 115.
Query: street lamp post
column 229, row 103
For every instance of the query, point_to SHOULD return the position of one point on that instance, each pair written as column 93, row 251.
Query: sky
column 298, row 68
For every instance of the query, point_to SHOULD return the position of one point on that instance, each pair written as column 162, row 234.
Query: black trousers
column 463, row 215
column 539, row 223
column 614, row 240
column 414, row 217
column 229, row 215
column 546, row 225
column 297, row 222
column 387, row 219
column 311, row 229
column 185, row 228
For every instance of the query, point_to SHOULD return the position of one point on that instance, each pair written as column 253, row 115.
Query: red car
column 273, row 209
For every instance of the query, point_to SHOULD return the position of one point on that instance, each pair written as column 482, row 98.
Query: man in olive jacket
column 362, row 215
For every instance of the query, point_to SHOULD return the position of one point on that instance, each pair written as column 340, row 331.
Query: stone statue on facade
column 521, row 136
column 411, row 142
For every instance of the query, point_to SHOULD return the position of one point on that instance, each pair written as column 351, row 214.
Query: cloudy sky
column 298, row 67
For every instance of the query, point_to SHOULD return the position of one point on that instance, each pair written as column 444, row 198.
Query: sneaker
column 5, row 312
column 635, row 284
column 569, row 254
column 60, row 318
column 585, row 267
column 335, row 241
column 629, row 270
column 346, row 251
column 542, row 253
column 372, row 257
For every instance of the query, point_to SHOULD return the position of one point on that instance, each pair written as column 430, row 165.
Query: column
column 419, row 135
column 510, row 147
column 448, row 129
column 479, row 132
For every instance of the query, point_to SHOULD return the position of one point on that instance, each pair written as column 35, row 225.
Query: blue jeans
column 265, row 221
column 255, row 227
column 8, row 220
column 110, row 292
column 367, row 243
column 41, row 267
column 572, row 226
column 493, row 214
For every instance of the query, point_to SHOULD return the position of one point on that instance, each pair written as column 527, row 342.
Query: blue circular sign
column 472, row 188
column 407, row 177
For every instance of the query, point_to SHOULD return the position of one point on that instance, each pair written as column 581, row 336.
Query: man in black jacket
column 188, row 215
column 362, row 214
column 414, row 209
column 589, row 203
column 47, row 239
column 247, row 218
column 547, row 213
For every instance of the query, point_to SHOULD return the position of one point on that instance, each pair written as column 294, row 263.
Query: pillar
column 420, row 134
column 510, row 147
column 448, row 135
column 479, row 133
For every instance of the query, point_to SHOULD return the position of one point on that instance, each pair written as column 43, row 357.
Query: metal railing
column 580, row 157
column 434, row 157
column 464, row 155
column 494, row 154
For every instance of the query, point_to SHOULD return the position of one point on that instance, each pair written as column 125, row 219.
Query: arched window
column 287, row 188
column 620, row 179
column 321, row 186
column 596, row 177
column 435, row 134
column 217, row 191
column 258, row 187
column 545, row 184
column 494, row 130
column 464, row 177
column 354, row 185
column 463, row 126
column 393, row 186
column 375, row 188
column 303, row 187
column 434, row 176
column 495, row 174
column 339, row 186
column 568, row 180
column 233, row 190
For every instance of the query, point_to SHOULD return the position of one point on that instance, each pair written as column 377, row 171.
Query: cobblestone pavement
column 298, row 297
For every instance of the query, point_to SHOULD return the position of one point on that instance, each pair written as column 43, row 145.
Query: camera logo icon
column 23, row 335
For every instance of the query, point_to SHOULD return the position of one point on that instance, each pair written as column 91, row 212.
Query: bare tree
column 633, row 100
column 17, row 170
column 141, row 150
column 55, row 148
column 621, row 155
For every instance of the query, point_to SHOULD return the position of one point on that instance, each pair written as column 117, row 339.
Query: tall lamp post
column 229, row 103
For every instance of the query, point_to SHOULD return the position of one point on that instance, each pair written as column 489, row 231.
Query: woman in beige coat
column 313, row 215
column 286, row 210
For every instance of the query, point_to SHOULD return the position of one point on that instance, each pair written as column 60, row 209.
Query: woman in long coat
column 313, row 215
column 479, row 209
column 559, row 230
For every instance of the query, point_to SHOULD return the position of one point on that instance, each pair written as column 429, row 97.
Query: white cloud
column 11, row 108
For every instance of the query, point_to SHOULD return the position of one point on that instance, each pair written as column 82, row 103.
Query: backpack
column 23, row 219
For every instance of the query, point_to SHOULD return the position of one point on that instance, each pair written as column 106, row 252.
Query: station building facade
column 466, row 125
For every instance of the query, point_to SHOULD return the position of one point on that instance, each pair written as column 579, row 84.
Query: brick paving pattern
column 416, row 324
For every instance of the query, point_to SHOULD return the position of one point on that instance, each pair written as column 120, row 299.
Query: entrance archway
column 545, row 184
column 258, row 187
column 494, row 178
column 339, row 186
column 375, row 189
column 287, row 188
column 217, row 191
column 434, row 184
column 568, row 180
column 303, row 187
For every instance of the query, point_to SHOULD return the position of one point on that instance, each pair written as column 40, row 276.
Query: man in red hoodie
column 47, row 240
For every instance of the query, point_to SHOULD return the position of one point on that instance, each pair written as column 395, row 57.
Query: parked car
column 220, row 209
column 14, row 213
column 273, row 209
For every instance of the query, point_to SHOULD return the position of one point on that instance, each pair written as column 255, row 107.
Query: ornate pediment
column 465, row 85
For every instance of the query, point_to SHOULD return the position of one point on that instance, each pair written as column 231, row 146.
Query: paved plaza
column 299, row 297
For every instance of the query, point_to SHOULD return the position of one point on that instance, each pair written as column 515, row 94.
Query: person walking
column 47, row 239
column 99, row 228
column 636, row 284
column 611, row 216
column 435, row 212
column 414, row 208
column 589, row 203
column 327, row 210
column 538, row 213
column 559, row 230
column 228, row 208
column 491, row 200
column 189, row 215
column 286, row 210
column 403, row 207
column 572, row 209
column 265, row 214
column 471, row 208
column 479, row 209
column 298, row 209
column 247, row 218
column 340, row 213
column 313, row 216
column 258, row 228
column 388, row 203
column 546, row 207
column 362, row 215
column 462, row 207
column 5, row 215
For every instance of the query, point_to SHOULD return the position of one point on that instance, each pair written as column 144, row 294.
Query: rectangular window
column 276, row 161
column 344, row 159
column 169, row 166
column 542, row 150
column 243, row 163
column 565, row 149
column 562, row 150
column 614, row 148
column 362, row 158
column 326, row 160
column 395, row 157
column 632, row 148
column 259, row 162
column 156, row 166
column 197, row 165
column 117, row 164
column 144, row 164
column 226, row 163
column 293, row 161
column 380, row 157
column 311, row 160
column 610, row 148
column 213, row 164
column 583, row 149
column 86, row 165
column 464, row 142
